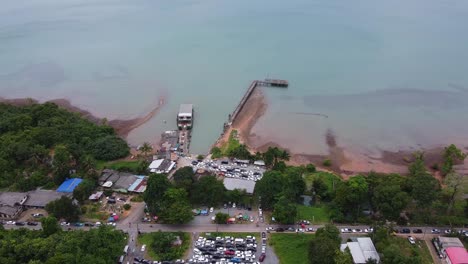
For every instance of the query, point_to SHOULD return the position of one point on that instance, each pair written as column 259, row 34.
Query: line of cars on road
column 290, row 229
column 357, row 230
column 224, row 250
column 18, row 223
column 433, row 231
column 88, row 224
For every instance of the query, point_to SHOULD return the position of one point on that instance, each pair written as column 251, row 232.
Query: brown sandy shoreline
column 345, row 162
column 122, row 126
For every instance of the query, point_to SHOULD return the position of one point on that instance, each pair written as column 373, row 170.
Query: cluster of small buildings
column 12, row 204
column 169, row 146
column 120, row 182
column 452, row 249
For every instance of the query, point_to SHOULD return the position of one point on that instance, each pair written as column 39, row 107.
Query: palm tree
column 146, row 148
column 88, row 163
column 284, row 155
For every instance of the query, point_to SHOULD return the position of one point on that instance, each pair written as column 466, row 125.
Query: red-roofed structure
column 456, row 255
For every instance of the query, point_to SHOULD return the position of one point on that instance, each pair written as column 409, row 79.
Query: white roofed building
column 361, row 249
column 162, row 166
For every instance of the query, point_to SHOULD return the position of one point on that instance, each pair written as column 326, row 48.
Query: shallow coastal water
column 380, row 75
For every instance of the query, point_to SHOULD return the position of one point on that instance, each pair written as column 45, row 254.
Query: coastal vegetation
column 416, row 198
column 274, row 157
column 52, row 246
column 42, row 144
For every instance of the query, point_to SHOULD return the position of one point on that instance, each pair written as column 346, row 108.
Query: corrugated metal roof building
column 362, row 249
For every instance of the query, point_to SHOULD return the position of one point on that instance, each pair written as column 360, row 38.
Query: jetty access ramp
column 248, row 93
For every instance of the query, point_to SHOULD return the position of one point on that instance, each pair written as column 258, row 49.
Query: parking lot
column 231, row 169
column 253, row 215
column 229, row 249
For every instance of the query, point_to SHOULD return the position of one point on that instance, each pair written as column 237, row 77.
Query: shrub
column 327, row 163
column 137, row 199
column 311, row 168
column 127, row 206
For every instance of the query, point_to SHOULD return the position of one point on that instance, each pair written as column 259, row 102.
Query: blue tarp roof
column 69, row 185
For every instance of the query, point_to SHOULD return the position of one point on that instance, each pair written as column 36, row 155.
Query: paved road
column 249, row 227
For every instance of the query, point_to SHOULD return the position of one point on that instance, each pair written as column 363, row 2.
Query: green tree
column 343, row 257
column 50, row 226
column 393, row 255
column 424, row 189
column 208, row 191
column 110, row 147
column 269, row 188
column 417, row 167
column 216, row 153
column 64, row 208
column 157, row 185
column 184, row 178
column 322, row 251
column 61, row 164
column 390, row 200
column 285, row 211
column 351, row 194
column 176, row 207
column 329, row 231
column 236, row 195
column 162, row 245
column 319, row 189
column 273, row 155
column 84, row 190
column 311, row 168
column 451, row 155
column 221, row 218
column 454, row 182
column 88, row 165
column 327, row 163
column 146, row 148
column 294, row 184
column 240, row 152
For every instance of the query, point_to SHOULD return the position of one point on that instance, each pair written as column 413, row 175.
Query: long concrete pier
column 250, row 90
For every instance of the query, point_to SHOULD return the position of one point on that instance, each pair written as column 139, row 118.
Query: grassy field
column 291, row 248
column 93, row 213
column 120, row 165
column 228, row 146
column 406, row 248
column 147, row 239
column 315, row 214
column 327, row 177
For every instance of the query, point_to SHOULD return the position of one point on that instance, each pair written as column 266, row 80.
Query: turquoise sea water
column 388, row 74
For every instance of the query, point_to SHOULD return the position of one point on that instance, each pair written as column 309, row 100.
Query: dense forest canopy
column 97, row 246
column 38, row 141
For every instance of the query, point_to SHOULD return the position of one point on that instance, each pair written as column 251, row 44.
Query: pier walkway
column 248, row 93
